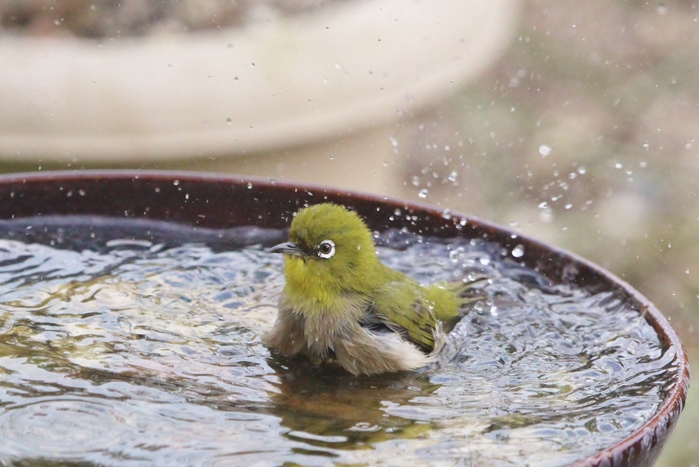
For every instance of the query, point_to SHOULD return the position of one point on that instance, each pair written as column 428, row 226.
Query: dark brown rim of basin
column 214, row 201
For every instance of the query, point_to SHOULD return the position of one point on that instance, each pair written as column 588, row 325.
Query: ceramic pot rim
column 276, row 84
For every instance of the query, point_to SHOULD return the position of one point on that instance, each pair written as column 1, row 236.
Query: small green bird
column 340, row 300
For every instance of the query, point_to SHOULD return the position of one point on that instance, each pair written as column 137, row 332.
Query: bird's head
column 330, row 252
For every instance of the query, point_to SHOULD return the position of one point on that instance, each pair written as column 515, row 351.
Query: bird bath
column 132, row 303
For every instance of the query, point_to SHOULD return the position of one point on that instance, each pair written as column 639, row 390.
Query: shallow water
column 138, row 344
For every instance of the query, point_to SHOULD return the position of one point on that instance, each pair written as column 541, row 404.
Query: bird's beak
column 288, row 248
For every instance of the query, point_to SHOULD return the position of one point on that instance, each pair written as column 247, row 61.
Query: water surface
column 132, row 343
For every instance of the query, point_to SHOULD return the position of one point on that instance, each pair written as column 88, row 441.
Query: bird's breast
column 324, row 323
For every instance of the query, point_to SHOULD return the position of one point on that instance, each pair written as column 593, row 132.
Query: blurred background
column 574, row 122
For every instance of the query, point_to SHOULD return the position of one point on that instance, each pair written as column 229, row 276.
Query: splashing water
column 129, row 343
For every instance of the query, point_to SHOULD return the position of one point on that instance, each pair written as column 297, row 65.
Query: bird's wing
column 400, row 306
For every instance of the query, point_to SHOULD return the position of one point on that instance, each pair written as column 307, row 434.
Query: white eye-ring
column 326, row 249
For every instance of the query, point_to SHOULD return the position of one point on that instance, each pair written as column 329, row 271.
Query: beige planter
column 270, row 86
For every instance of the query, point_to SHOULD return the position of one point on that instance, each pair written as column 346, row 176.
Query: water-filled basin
column 131, row 305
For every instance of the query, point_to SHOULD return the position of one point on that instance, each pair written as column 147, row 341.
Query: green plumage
column 340, row 299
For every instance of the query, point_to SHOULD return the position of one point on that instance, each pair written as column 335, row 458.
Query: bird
column 341, row 303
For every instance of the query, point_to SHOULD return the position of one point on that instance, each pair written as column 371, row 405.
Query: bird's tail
column 469, row 290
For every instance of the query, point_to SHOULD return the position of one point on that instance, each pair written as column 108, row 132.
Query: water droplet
column 646, row 145
column 249, row 186
column 544, row 150
column 229, row 121
column 423, row 193
column 661, row 9
column 546, row 215
column 518, row 251
column 175, row 182
column 394, row 141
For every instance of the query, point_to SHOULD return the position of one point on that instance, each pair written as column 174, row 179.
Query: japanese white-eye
column 340, row 301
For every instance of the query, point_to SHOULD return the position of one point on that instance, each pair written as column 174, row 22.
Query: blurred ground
column 582, row 135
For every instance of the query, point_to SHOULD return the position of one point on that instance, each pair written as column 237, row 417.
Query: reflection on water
column 135, row 344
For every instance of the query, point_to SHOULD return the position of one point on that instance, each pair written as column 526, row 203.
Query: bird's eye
column 326, row 249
